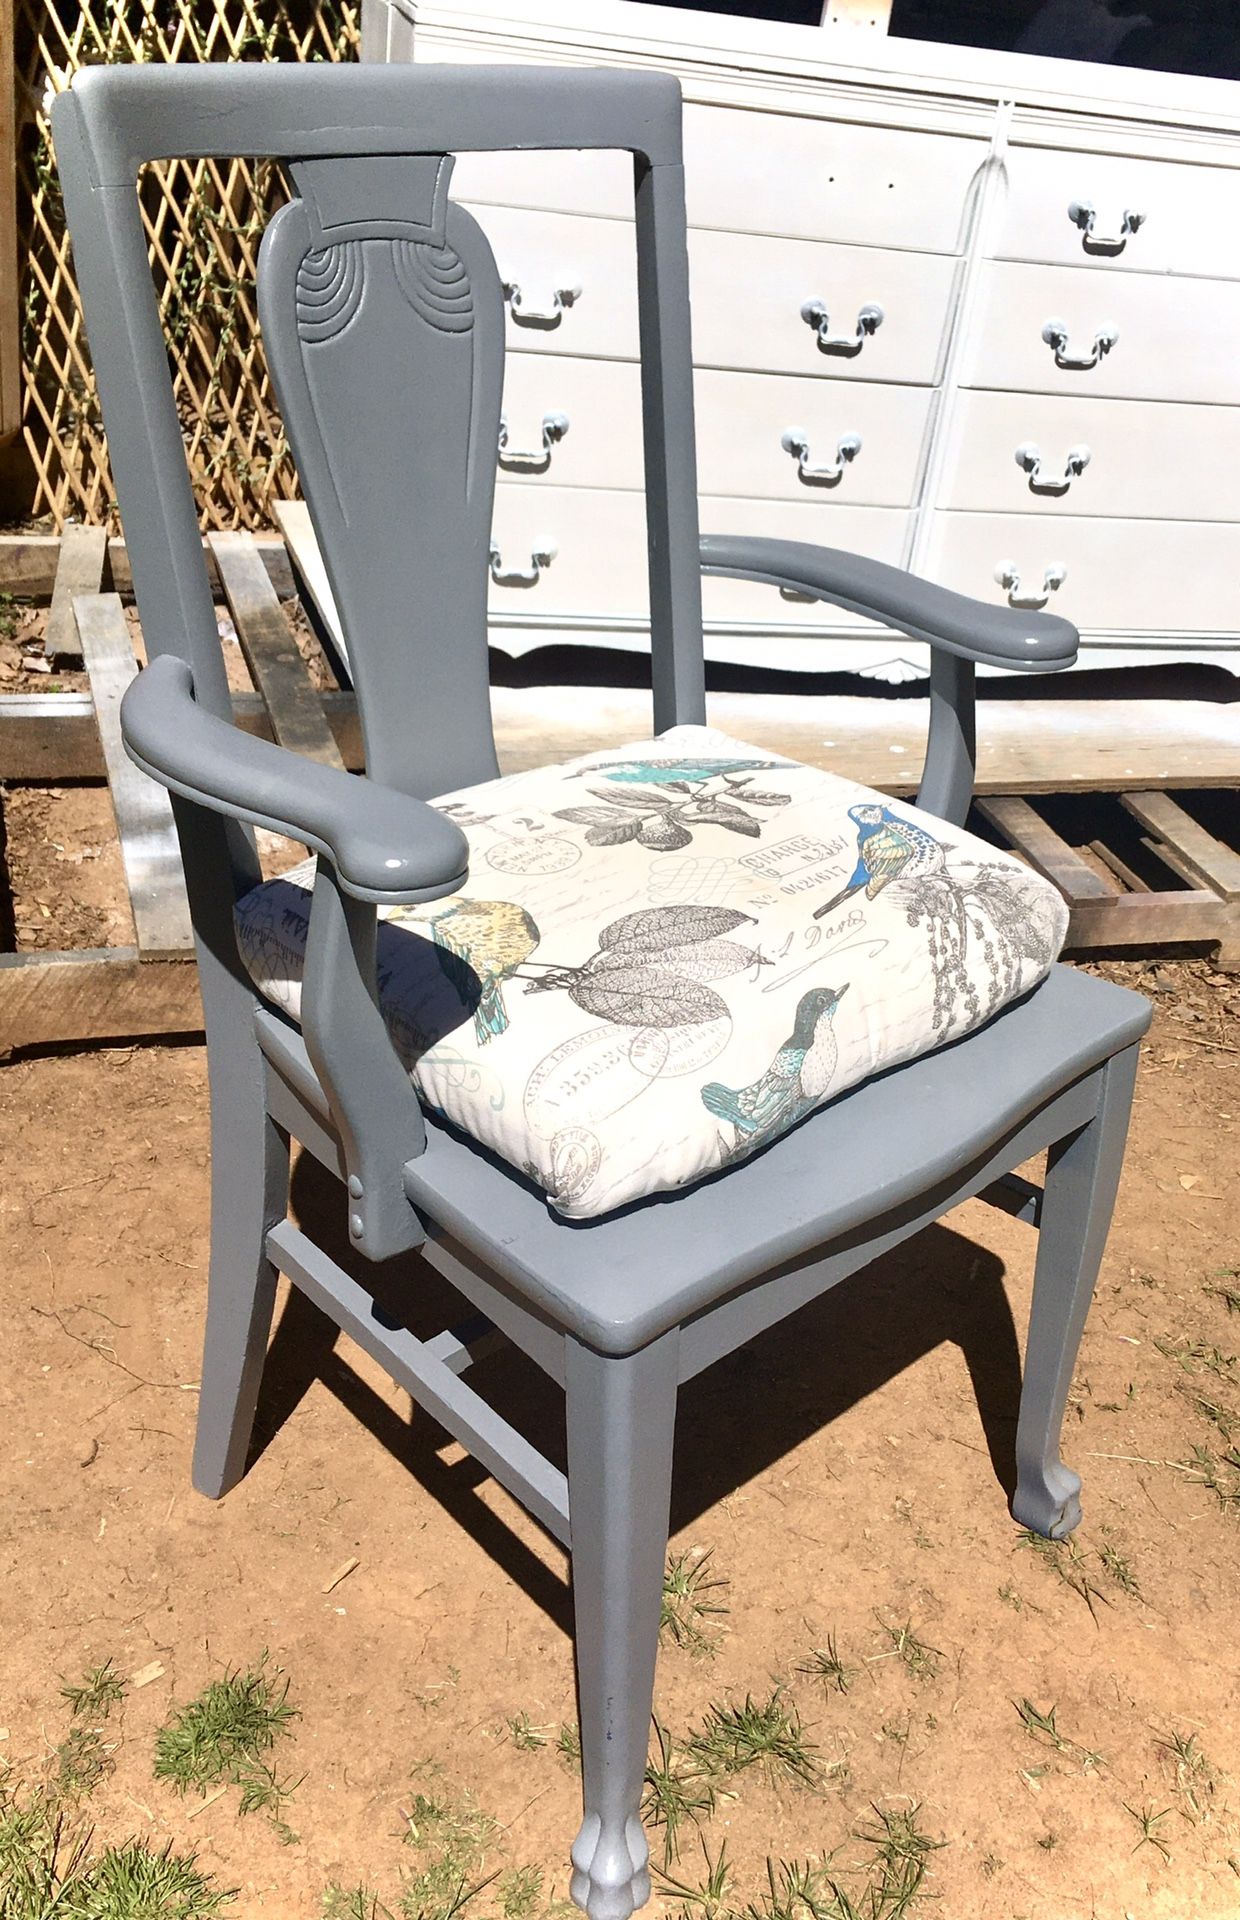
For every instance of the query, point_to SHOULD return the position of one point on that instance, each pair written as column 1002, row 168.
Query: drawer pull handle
column 1055, row 334
column 541, row 557
column 1030, row 459
column 796, row 442
column 1082, row 214
column 869, row 320
column 562, row 299
column 530, row 459
column 1007, row 573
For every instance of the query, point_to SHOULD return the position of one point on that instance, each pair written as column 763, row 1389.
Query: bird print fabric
column 669, row 953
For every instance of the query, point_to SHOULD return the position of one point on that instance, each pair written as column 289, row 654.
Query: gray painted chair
column 619, row 1311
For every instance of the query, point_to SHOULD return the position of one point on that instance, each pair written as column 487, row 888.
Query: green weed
column 690, row 1602
column 765, row 1733
column 1119, row 1567
column 1066, row 1561
column 677, row 1790
column 223, row 1738
column 1149, row 1822
column 705, row 1898
column 1194, row 1776
column 452, row 1836
column 524, row 1734
column 1041, row 1725
column 101, row 1689
column 352, row 1903
column 568, row 1746
column 520, row 1891
column 918, row 1659
column 824, row 1663
column 83, row 1759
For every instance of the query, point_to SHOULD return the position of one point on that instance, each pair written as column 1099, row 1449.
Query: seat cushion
column 668, row 953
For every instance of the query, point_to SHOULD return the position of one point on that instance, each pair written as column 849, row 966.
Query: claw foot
column 611, row 1878
column 1048, row 1500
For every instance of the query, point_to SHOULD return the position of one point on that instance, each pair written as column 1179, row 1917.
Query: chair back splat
column 383, row 322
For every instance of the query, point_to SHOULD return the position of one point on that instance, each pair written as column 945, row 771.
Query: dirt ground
column 846, row 1474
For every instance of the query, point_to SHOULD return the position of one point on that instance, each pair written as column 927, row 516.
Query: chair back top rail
column 383, row 321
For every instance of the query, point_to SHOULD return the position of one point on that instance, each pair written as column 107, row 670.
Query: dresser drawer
column 749, row 294
column 1173, row 339
column 1163, row 463
column 883, row 314
column 1117, row 574
column 1151, row 216
column 577, row 423
column 791, row 174
column 597, row 542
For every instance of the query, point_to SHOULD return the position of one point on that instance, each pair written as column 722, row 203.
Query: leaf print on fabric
column 716, row 793
column 635, row 978
column 654, row 929
column 645, row 996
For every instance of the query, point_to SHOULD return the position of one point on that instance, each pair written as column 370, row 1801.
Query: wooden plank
column 28, row 563
column 1147, row 920
column 80, row 569
column 10, row 305
column 271, row 653
column 143, row 812
column 1197, row 851
column 1119, row 868
column 293, row 520
column 51, row 736
column 1044, row 849
column 110, row 993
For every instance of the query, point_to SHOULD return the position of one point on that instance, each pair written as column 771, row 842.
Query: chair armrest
column 386, row 846
column 994, row 636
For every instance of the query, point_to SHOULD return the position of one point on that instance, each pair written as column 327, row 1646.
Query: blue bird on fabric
column 888, row 848
column 796, row 1079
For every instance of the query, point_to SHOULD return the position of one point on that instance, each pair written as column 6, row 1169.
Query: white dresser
column 974, row 313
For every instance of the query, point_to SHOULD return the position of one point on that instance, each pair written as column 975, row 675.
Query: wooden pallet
column 1138, row 749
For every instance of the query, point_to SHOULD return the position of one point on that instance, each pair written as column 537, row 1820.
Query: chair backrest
column 382, row 317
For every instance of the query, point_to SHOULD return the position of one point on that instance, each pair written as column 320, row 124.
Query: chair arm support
column 993, row 636
column 386, row 846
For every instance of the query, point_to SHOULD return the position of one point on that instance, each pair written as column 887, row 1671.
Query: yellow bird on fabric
column 481, row 944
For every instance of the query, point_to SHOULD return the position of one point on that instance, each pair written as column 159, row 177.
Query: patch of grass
column 705, row 1897
column 83, row 1759
column 1219, row 1416
column 352, row 1903
column 1197, row 1356
column 690, row 1602
column 1220, row 1474
column 568, row 1746
column 677, row 1790
column 1119, row 1566
column 1041, row 1725
column 1012, row 1598
column 223, row 1738
column 1066, row 1561
column 1149, row 1822
column 46, row 1870
column 901, row 1861
column 524, row 1734
column 797, row 1890
column 765, row 1733
column 100, row 1690
column 1228, row 1295
column 8, row 616
column 824, row 1663
column 452, row 1837
column 1194, row 1776
column 520, row 1891
column 918, row 1659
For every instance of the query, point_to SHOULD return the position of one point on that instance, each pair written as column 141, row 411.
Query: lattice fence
column 204, row 220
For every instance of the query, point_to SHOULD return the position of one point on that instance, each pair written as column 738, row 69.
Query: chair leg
column 1081, row 1180
column 621, row 1421
column 249, row 1194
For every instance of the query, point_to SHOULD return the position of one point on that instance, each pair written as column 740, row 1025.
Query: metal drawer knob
column 869, row 320
column 541, row 557
column 531, row 459
column 526, row 316
column 1082, row 214
column 796, row 442
column 1007, row 573
column 1055, row 334
column 1029, row 458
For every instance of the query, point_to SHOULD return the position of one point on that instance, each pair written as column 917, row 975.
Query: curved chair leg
column 249, row 1194
column 1081, row 1180
column 621, row 1421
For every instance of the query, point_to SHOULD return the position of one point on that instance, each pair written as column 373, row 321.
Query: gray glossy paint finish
column 381, row 310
